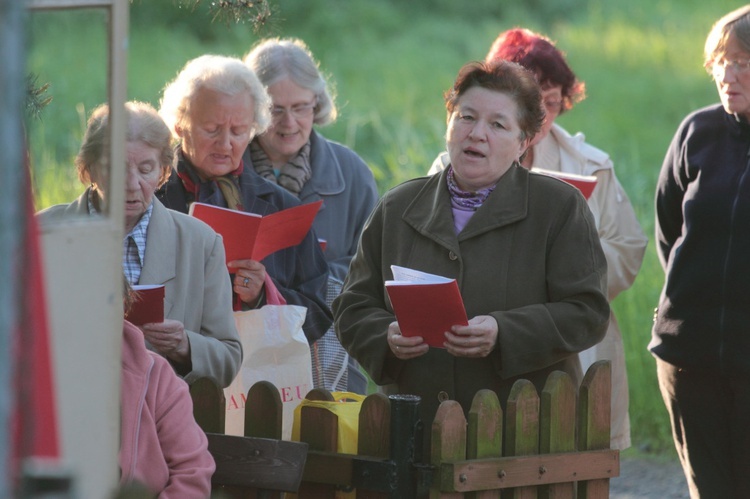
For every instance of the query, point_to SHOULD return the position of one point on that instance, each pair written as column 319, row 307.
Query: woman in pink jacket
column 161, row 445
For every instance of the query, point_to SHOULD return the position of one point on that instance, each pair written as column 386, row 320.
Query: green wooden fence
column 549, row 445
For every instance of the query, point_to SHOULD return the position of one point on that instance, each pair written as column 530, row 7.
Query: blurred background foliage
column 390, row 62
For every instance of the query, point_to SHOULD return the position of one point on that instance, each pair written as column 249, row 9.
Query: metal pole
column 406, row 430
column 12, row 213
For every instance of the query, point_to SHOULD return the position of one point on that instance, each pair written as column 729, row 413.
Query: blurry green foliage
column 390, row 61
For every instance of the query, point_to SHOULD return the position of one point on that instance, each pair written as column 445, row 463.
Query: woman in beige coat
column 523, row 248
column 622, row 238
column 198, row 335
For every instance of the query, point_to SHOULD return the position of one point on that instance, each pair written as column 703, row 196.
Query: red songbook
column 584, row 183
column 425, row 305
column 148, row 305
column 252, row 236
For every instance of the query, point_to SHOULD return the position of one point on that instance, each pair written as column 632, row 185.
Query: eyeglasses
column 738, row 66
column 298, row 111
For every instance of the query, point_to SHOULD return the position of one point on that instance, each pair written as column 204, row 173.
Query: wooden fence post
column 374, row 435
column 558, row 428
column 522, row 429
column 448, row 443
column 485, row 433
column 263, row 411
column 209, row 405
column 594, row 411
column 319, row 429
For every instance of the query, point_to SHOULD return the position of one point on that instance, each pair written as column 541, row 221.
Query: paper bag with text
column 275, row 349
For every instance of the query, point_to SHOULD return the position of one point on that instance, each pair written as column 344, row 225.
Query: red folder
column 148, row 305
column 425, row 305
column 584, row 183
column 252, row 236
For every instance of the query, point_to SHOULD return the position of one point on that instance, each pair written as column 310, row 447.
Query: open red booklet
column 251, row 236
column 584, row 183
column 425, row 305
column 148, row 305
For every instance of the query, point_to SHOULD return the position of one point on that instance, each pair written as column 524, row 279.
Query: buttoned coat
column 623, row 243
column 530, row 257
column 187, row 256
column 299, row 272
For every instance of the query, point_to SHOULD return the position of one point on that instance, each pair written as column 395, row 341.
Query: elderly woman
column 292, row 154
column 522, row 246
column 620, row 234
column 198, row 335
column 700, row 335
column 214, row 107
column 295, row 156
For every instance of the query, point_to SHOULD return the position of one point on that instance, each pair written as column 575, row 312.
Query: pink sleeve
column 273, row 296
column 183, row 442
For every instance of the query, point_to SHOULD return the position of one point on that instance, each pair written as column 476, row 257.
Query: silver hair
column 276, row 59
column 227, row 75
column 735, row 23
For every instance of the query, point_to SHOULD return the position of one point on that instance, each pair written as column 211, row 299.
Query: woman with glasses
column 701, row 337
column 214, row 107
column 292, row 154
column 553, row 148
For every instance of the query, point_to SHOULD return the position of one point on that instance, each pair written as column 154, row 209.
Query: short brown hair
column 506, row 77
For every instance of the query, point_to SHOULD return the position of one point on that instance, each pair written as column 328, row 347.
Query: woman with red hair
column 553, row 148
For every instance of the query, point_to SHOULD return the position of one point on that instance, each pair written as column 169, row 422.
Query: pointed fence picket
column 553, row 444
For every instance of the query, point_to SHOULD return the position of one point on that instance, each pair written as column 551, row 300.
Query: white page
column 143, row 287
column 403, row 275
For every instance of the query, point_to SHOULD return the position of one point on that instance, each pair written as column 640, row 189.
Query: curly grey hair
column 227, row 75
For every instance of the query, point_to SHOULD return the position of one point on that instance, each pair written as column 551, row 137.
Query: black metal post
column 406, row 442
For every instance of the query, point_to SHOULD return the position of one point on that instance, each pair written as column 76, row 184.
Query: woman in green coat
column 523, row 248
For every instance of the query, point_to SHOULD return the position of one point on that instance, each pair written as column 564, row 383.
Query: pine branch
column 36, row 100
column 257, row 12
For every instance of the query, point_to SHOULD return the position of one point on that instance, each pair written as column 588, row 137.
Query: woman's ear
column 178, row 130
column 524, row 148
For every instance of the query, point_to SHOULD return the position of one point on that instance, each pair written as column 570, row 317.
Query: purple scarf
column 466, row 199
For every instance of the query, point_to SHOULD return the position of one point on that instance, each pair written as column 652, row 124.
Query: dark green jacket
column 530, row 257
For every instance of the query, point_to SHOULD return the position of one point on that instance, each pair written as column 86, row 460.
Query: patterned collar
column 134, row 242
column 466, row 199
column 134, row 248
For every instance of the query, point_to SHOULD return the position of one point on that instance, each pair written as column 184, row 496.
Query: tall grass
column 390, row 61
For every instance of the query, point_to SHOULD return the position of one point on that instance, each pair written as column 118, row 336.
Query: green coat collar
column 430, row 211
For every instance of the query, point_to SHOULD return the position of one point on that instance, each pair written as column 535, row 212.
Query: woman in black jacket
column 701, row 333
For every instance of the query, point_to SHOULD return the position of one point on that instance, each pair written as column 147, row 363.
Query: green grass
column 390, row 61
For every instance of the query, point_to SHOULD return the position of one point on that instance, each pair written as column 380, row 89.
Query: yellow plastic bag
column 346, row 406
